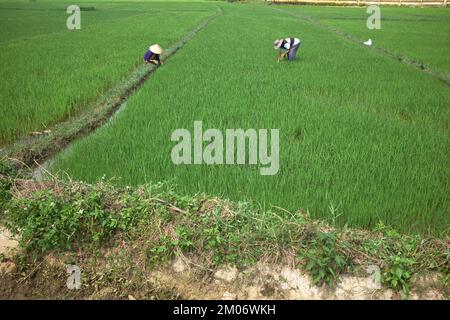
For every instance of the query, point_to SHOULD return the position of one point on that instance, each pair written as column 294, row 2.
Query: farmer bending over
column 152, row 55
column 288, row 47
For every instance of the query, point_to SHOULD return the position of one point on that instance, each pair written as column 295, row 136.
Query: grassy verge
column 157, row 224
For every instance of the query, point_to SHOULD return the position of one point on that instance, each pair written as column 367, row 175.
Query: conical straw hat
column 156, row 49
column 277, row 44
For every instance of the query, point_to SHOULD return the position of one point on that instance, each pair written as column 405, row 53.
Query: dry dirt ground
column 266, row 281
column 181, row 278
column 7, row 243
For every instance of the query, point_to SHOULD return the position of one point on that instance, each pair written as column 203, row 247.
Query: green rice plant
column 50, row 73
column 418, row 33
column 355, row 125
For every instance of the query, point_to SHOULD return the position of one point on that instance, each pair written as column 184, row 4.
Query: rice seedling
column 50, row 73
column 363, row 138
column 418, row 33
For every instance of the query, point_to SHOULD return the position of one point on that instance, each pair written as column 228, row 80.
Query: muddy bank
column 182, row 279
column 145, row 243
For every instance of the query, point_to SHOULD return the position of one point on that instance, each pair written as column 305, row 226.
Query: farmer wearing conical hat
column 288, row 47
column 152, row 55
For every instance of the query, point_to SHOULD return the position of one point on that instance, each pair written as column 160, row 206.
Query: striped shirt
column 287, row 43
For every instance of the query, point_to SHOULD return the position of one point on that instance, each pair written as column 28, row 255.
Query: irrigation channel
column 117, row 98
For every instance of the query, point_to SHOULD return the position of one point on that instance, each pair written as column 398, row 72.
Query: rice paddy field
column 420, row 34
column 363, row 137
column 49, row 74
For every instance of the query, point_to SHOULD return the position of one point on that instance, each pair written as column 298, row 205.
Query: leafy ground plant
column 323, row 260
column 398, row 274
column 59, row 216
column 51, row 221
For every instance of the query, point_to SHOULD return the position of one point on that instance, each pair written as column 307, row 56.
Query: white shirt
column 288, row 43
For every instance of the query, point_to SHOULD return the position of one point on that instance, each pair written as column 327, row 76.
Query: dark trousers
column 293, row 52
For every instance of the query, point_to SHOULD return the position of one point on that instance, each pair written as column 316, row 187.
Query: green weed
column 51, row 222
column 398, row 274
column 323, row 260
